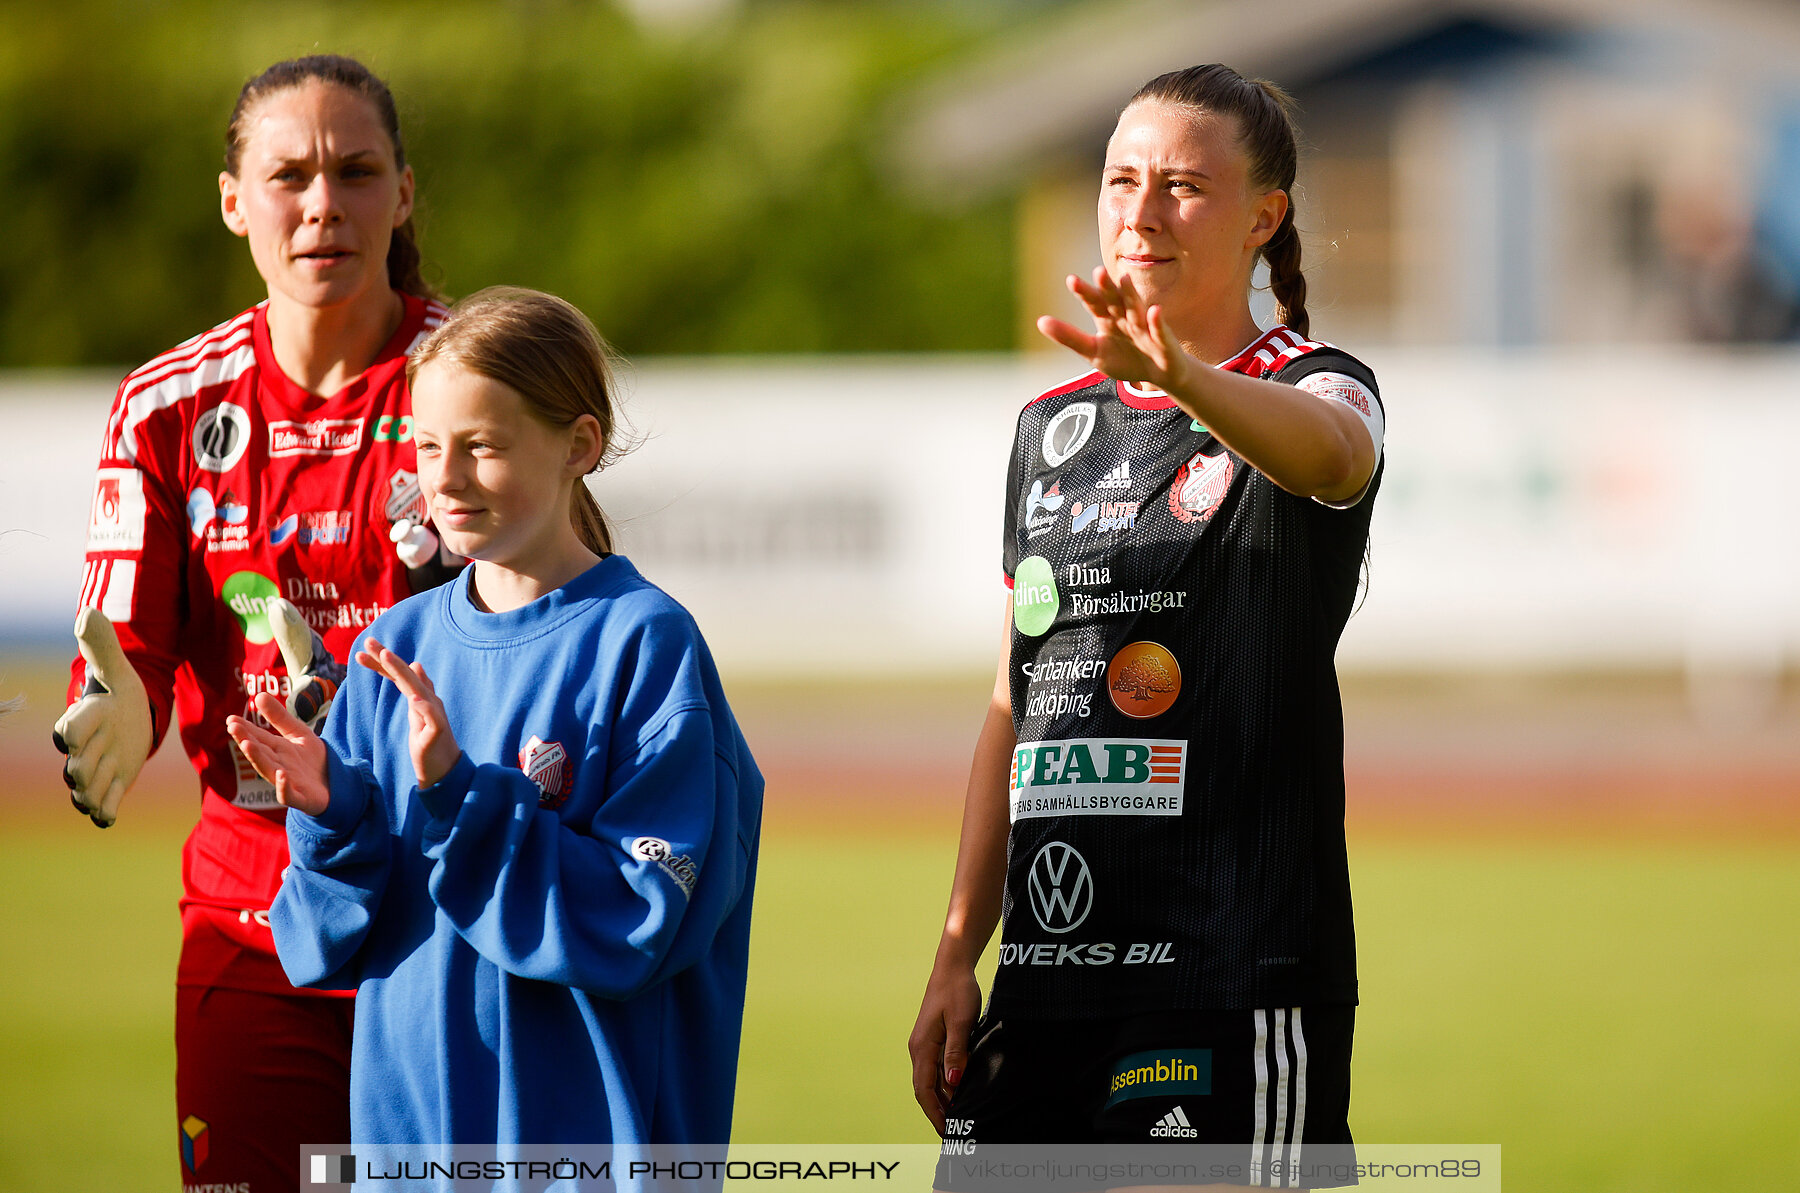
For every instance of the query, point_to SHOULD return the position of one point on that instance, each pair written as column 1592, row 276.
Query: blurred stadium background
column 1565, row 234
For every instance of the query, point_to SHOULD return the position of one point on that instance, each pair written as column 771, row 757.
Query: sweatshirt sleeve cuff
column 349, row 800
column 445, row 796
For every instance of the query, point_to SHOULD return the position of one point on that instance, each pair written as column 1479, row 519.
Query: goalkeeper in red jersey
column 257, row 504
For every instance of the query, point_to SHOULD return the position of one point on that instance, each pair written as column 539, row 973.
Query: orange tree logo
column 1143, row 680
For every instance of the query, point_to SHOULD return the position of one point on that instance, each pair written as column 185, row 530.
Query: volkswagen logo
column 1062, row 890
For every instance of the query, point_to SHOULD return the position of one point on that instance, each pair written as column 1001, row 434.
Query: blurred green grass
column 1617, row 1015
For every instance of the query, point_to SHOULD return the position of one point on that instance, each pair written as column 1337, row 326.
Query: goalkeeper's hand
column 107, row 733
column 312, row 672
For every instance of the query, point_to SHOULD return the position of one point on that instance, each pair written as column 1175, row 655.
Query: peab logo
column 1097, row 776
column 1062, row 889
column 1035, row 599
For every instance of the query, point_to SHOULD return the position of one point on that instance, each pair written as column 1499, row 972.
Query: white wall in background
column 843, row 515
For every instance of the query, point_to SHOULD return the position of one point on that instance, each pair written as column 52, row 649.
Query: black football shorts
column 1269, row 1082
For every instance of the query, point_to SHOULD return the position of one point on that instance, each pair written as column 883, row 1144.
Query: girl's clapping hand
column 434, row 748
column 292, row 757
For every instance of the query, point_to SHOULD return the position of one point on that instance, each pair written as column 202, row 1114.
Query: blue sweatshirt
column 549, row 944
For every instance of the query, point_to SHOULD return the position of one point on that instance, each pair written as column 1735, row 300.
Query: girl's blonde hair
column 546, row 350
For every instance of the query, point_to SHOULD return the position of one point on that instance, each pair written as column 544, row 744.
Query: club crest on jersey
column 1068, row 432
column 405, row 498
column 1200, row 486
column 547, row 764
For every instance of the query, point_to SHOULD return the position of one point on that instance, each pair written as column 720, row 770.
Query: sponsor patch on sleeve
column 660, row 853
column 1341, row 387
column 117, row 520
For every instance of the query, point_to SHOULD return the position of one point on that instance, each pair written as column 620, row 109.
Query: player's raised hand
column 292, row 757
column 434, row 748
column 107, row 733
column 1130, row 340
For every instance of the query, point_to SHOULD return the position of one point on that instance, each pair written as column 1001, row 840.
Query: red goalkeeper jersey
column 223, row 484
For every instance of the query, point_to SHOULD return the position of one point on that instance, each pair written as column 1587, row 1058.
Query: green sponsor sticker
column 1035, row 600
column 1165, row 1071
column 247, row 595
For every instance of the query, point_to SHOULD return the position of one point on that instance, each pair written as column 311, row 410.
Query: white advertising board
column 842, row 516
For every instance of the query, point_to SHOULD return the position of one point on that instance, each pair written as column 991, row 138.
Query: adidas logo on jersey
column 1118, row 478
column 1173, row 1125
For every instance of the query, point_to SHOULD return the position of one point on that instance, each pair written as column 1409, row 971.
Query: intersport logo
column 1097, row 776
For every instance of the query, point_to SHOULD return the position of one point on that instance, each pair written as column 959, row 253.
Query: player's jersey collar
column 282, row 388
column 1139, row 396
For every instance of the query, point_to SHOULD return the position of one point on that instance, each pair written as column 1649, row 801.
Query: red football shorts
column 256, row 1076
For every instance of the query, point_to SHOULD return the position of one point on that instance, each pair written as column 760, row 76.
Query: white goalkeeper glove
column 107, row 733
column 312, row 672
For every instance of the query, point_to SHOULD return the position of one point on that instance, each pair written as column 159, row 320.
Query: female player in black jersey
column 1156, row 802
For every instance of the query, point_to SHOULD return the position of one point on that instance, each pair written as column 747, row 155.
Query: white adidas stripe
column 177, row 359
column 207, row 372
column 1281, row 1095
column 121, row 581
column 1299, row 1098
column 1258, row 1140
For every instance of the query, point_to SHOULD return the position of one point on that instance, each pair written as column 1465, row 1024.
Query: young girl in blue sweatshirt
column 528, row 838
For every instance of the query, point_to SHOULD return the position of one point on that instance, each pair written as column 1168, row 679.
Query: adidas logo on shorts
column 1118, row 478
column 1173, row 1125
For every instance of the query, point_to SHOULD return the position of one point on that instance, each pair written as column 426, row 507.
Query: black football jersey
column 1177, row 790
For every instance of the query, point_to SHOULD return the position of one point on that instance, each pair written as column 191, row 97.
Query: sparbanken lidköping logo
column 1143, row 680
column 1062, row 889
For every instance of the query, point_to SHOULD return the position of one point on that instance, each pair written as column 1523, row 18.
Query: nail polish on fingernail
column 954, row 1076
